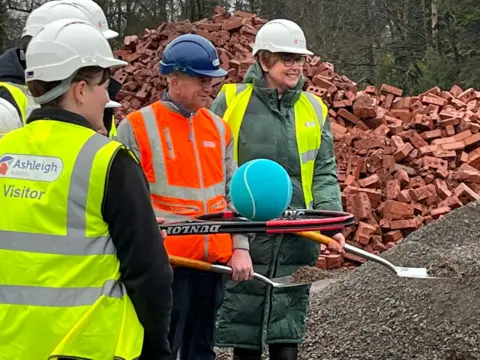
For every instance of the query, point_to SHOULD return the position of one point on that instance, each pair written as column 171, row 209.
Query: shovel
column 419, row 273
column 280, row 282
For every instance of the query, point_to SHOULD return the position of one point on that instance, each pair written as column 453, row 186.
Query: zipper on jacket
column 200, row 176
column 166, row 204
column 169, row 142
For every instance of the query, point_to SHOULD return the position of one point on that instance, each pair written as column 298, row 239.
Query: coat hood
column 11, row 67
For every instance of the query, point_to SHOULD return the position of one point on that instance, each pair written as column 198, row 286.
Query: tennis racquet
column 291, row 221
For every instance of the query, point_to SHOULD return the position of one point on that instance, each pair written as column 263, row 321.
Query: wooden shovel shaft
column 190, row 263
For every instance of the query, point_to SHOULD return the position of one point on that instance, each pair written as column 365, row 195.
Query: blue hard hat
column 191, row 54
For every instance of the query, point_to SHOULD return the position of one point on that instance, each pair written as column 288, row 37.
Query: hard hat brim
column 110, row 34
column 112, row 104
column 287, row 50
column 212, row 73
column 166, row 69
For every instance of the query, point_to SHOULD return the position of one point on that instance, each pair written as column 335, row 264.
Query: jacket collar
column 62, row 115
column 174, row 106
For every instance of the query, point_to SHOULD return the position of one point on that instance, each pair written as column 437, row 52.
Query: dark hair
column 89, row 74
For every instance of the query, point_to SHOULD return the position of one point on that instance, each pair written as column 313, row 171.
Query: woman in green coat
column 271, row 117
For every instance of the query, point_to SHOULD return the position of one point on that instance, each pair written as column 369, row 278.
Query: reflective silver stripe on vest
column 161, row 186
column 240, row 88
column 22, row 88
column 55, row 244
column 59, row 297
column 317, row 108
column 75, row 242
column 309, row 156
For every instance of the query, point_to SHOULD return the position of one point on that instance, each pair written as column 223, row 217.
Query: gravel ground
column 306, row 274
column 373, row 314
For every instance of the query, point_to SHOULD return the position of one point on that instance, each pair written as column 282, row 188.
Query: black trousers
column 197, row 296
column 257, row 354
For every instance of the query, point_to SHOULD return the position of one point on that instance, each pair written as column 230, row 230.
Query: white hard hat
column 49, row 12
column 95, row 14
column 9, row 118
column 62, row 48
column 281, row 35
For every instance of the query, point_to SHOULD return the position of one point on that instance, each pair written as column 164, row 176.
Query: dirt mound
column 373, row 314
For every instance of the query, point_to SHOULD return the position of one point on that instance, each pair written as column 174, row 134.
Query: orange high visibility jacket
column 184, row 162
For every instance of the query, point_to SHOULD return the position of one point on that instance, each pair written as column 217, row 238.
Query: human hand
column 339, row 243
column 241, row 265
column 163, row 232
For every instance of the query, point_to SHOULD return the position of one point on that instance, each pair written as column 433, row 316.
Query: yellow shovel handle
column 317, row 237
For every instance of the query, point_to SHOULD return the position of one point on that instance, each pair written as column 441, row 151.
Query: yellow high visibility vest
column 19, row 93
column 113, row 130
column 60, row 293
column 310, row 116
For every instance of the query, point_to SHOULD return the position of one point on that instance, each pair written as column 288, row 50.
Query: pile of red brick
column 233, row 36
column 403, row 161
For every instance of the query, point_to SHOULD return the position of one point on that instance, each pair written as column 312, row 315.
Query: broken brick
column 395, row 210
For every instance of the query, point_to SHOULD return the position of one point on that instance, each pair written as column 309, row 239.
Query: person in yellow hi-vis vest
column 84, row 273
column 271, row 117
column 12, row 62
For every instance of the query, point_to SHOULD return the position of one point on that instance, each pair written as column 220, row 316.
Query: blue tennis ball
column 261, row 190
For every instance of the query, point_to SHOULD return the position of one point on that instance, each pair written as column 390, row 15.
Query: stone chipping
column 372, row 314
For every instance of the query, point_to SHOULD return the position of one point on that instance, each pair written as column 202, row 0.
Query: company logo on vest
column 30, row 167
column 5, row 162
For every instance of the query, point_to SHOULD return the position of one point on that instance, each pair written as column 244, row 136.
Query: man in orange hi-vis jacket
column 186, row 152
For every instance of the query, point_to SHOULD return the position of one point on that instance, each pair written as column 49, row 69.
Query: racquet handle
column 318, row 238
column 190, row 263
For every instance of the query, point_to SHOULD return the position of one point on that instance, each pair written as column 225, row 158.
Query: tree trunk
column 435, row 24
